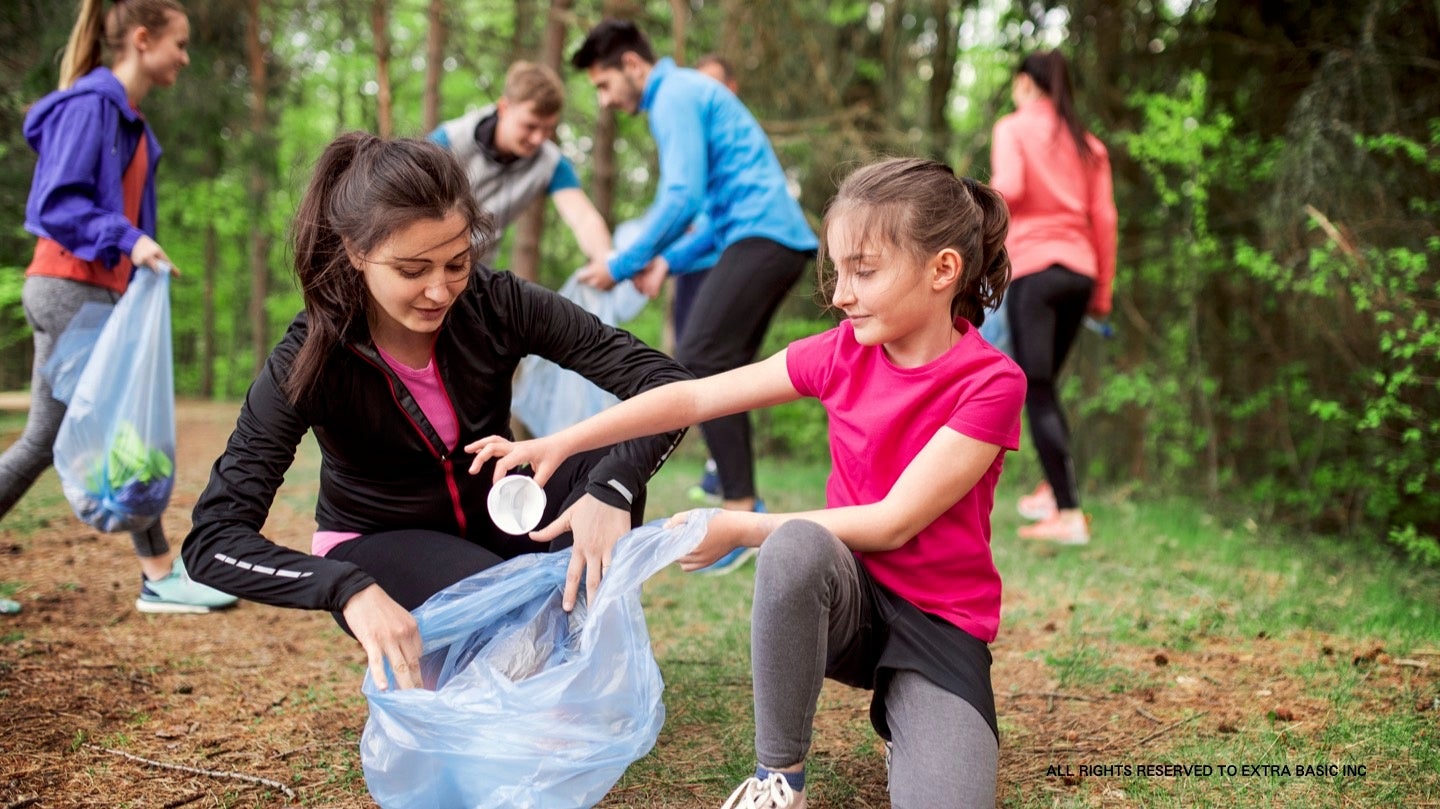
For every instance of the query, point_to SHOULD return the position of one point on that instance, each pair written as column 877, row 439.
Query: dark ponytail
column 1051, row 75
column 920, row 207
column 364, row 189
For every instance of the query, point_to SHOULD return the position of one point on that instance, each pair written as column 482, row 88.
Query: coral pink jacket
column 1062, row 208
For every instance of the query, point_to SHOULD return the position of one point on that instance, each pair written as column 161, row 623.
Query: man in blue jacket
column 715, row 160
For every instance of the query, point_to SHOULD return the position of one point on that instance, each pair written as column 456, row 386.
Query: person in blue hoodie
column 92, row 211
column 714, row 160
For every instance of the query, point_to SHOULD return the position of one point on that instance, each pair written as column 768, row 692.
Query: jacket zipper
column 445, row 464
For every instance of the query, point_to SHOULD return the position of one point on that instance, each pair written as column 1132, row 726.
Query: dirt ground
column 248, row 697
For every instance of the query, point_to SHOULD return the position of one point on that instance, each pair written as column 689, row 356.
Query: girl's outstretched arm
column 943, row 472
column 669, row 407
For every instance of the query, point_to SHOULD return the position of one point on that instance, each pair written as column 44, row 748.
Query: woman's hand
column 387, row 632
column 727, row 531
column 544, row 455
column 148, row 253
column 596, row 527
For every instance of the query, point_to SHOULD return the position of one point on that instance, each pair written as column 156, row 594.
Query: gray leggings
column 50, row 303
column 809, row 608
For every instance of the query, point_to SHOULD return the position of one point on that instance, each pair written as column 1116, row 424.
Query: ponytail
column 363, row 189
column 1051, row 74
column 96, row 26
column 983, row 287
column 920, row 207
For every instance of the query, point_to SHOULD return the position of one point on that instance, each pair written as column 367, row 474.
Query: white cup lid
column 516, row 504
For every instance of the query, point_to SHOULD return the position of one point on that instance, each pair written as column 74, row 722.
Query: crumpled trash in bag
column 525, row 705
column 115, row 450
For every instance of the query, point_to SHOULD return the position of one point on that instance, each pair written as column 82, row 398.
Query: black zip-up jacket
column 383, row 467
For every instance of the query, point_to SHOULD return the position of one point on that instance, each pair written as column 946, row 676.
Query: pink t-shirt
column 881, row 416
column 424, row 384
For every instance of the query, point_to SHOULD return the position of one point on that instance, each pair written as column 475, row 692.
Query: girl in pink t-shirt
column 891, row 586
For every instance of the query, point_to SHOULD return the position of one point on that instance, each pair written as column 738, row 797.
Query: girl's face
column 415, row 276
column 891, row 298
column 164, row 52
column 878, row 287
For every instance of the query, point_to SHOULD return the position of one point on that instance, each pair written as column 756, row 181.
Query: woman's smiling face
column 414, row 277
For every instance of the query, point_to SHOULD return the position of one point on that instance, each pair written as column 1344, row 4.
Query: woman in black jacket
column 404, row 354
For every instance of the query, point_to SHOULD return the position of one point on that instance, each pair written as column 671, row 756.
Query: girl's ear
column 946, row 269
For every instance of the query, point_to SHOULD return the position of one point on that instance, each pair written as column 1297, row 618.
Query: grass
column 1245, row 646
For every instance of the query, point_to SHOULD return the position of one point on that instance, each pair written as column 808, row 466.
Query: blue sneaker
column 9, row 607
column 708, row 489
column 736, row 559
column 728, row 563
column 178, row 593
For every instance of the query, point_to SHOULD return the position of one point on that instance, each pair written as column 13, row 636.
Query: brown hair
column 537, row 84
column 364, row 189
column 920, row 207
column 96, row 26
column 1051, row 75
column 727, row 70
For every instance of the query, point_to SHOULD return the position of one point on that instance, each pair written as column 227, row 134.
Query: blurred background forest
column 1277, row 172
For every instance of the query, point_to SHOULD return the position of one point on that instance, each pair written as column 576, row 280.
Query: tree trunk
column 207, row 313
column 434, row 63
column 379, row 28
column 942, row 80
column 525, row 254
column 259, row 188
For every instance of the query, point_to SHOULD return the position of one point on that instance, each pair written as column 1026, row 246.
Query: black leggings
column 725, row 327
column 1046, row 310
column 412, row 564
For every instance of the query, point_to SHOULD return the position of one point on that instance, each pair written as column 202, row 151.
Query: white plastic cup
column 516, row 504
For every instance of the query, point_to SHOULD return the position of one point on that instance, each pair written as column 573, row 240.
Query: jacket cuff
column 614, row 485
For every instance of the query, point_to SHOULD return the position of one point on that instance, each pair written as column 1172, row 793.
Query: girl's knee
column 798, row 551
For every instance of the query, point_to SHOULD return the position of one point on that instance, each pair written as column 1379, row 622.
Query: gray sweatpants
column 50, row 304
column 809, row 605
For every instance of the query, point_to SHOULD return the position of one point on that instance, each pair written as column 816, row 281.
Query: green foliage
column 798, row 429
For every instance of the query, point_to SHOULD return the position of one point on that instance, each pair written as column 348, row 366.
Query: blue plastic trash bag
column 72, row 351
column 524, row 705
column 115, row 452
column 549, row 398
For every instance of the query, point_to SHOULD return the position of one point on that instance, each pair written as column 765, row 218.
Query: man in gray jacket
column 510, row 158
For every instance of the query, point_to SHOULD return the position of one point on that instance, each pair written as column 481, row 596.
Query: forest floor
column 101, row 705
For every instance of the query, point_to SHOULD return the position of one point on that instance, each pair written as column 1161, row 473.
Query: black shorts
column 899, row 636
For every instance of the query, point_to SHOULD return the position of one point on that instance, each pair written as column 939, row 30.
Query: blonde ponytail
column 82, row 52
column 97, row 29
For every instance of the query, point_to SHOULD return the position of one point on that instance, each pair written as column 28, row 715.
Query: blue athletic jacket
column 85, row 137
column 714, row 158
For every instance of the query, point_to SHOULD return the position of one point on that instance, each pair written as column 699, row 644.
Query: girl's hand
column 148, row 253
column 544, row 455
column 596, row 527
column 387, row 632
column 727, row 531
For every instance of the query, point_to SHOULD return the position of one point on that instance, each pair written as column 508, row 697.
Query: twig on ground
column 1054, row 695
column 23, row 802
column 253, row 779
column 1152, row 717
column 181, row 802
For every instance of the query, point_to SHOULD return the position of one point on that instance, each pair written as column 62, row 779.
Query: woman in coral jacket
column 1055, row 176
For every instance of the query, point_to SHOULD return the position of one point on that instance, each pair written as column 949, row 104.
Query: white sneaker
column 772, row 793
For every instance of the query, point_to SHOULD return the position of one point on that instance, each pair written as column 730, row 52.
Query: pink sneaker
column 1037, row 505
column 1069, row 528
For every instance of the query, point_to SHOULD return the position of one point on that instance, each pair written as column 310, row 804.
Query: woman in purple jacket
column 92, row 210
